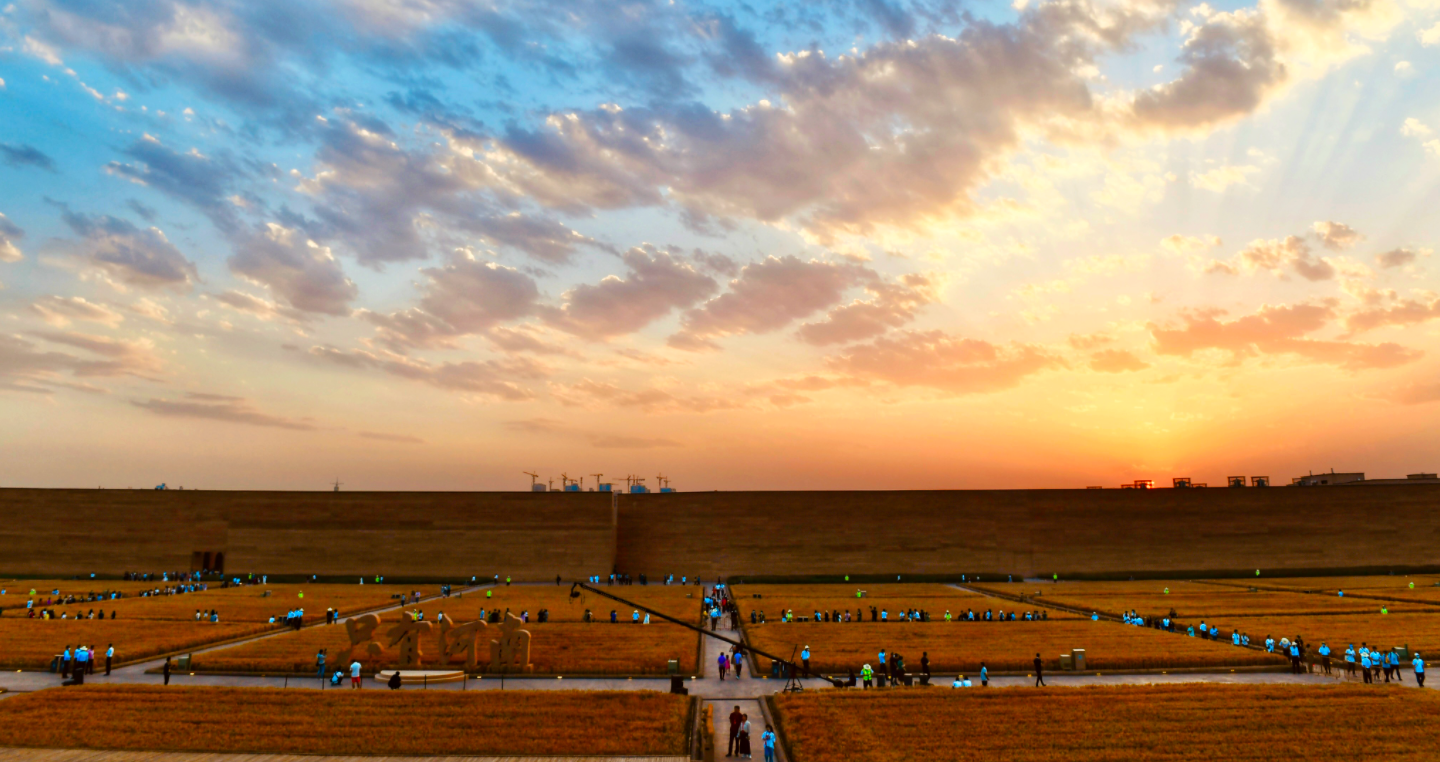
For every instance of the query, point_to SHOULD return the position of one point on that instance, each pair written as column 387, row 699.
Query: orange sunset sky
column 888, row 245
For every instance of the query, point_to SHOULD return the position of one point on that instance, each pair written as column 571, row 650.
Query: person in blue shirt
column 768, row 737
column 1324, row 652
column 1419, row 665
column 805, row 659
column 984, row 676
column 1365, row 665
column 1095, row 616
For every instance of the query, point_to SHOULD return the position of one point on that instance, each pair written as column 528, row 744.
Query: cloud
column 1396, row 258
column 494, row 378
column 1275, row 331
column 1406, row 312
column 1416, row 394
column 220, row 408
column 589, row 393
column 9, row 234
column 1189, row 245
column 1414, row 128
column 462, row 298
column 1404, row 69
column 1230, row 64
column 1220, row 178
column 1116, row 361
column 1275, row 256
column 657, row 284
column 1337, row 236
column 941, row 361
column 1090, row 341
column 1430, row 36
column 768, row 295
column 192, row 177
column 897, row 135
column 59, row 311
column 126, row 254
column 395, row 438
column 20, row 156
column 598, row 440
column 546, row 240
column 298, row 270
column 25, row 366
column 254, row 305
column 892, row 306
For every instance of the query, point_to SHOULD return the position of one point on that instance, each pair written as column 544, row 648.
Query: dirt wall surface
column 440, row 535
column 445, row 535
column 1028, row 531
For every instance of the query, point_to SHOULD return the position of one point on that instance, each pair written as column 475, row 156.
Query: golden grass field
column 32, row 643
column 1421, row 632
column 251, row 604
column 1393, row 590
column 17, row 591
column 1190, row 601
column 345, row 722
column 805, row 599
column 562, row 646
column 1190, row 722
column 1003, row 646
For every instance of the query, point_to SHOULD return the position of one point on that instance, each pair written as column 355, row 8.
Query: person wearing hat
column 805, row 658
column 1419, row 664
column 867, row 675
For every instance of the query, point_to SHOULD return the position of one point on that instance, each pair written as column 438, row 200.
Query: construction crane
column 337, row 484
column 533, row 476
column 661, row 481
column 550, row 484
column 564, row 480
column 597, row 480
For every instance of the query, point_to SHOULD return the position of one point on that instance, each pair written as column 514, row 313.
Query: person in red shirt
column 735, row 719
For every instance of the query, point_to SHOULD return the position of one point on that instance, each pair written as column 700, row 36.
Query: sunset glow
column 894, row 245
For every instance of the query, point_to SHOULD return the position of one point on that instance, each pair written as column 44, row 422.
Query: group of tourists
column 739, row 745
column 757, row 616
column 81, row 660
column 891, row 671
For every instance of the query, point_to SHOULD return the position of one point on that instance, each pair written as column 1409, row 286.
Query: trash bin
column 55, row 664
column 183, row 662
column 775, row 669
column 1078, row 657
column 673, row 666
column 1067, row 662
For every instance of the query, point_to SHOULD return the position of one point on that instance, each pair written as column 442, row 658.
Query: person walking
column 738, row 660
column 1365, row 664
column 1419, row 665
column 984, row 676
column 724, row 662
column 65, row 662
column 320, row 664
column 768, row 738
column 744, row 750
column 355, row 674
column 1324, row 657
column 735, row 719
column 1395, row 663
column 1039, row 672
column 109, row 655
column 165, row 670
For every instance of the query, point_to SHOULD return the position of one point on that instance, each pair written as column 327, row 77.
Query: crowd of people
column 757, row 616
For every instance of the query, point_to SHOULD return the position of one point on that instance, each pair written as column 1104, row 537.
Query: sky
column 837, row 244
